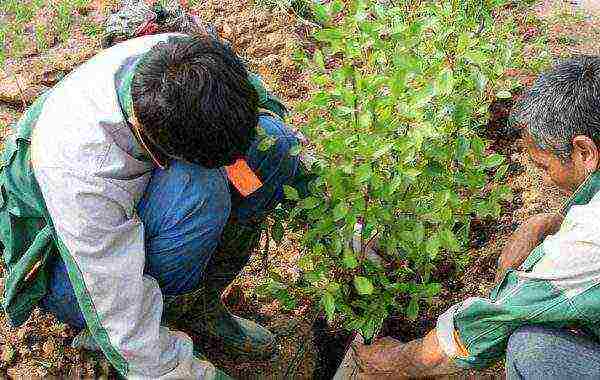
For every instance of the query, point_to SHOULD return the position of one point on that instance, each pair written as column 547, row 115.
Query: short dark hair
column 562, row 103
column 192, row 97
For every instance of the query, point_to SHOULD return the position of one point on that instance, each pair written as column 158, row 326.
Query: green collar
column 123, row 81
column 124, row 78
column 584, row 194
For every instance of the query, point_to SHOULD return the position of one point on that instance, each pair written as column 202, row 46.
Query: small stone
column 21, row 333
column 14, row 373
column 8, row 354
column 227, row 31
column 49, row 348
column 105, row 368
column 18, row 89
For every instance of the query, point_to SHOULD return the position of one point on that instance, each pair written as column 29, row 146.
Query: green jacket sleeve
column 266, row 99
column 557, row 286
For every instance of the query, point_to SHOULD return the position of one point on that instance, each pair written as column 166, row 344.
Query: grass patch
column 301, row 8
column 64, row 18
column 41, row 41
column 19, row 20
column 22, row 12
column 91, row 28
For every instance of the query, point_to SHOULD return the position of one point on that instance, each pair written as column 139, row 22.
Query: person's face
column 568, row 175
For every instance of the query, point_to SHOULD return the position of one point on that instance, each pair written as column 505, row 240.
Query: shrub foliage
column 401, row 89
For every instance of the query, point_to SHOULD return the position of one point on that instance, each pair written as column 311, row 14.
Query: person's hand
column 529, row 235
column 380, row 360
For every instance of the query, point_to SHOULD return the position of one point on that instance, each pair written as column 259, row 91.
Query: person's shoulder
column 584, row 216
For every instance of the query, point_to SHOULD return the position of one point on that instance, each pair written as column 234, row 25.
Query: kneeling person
column 118, row 214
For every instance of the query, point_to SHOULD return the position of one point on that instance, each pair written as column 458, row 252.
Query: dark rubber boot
column 202, row 311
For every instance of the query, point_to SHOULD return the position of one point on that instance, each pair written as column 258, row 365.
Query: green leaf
column 412, row 173
column 370, row 328
column 329, row 305
column 320, row 12
column 313, row 277
column 340, row 211
column 305, row 263
column 493, row 160
column 266, row 144
column 344, row 111
column 363, row 285
column 412, row 311
column 290, row 193
column 445, row 82
column 419, row 233
column 395, row 184
column 319, row 60
column 363, row 173
column 500, row 173
column 432, row 289
column 478, row 145
column 309, row 203
column 349, row 259
column 480, row 80
column 504, row 94
column 295, row 150
column 462, row 145
column 277, row 232
column 449, row 240
column 336, row 7
column 477, row 57
column 381, row 151
column 432, row 247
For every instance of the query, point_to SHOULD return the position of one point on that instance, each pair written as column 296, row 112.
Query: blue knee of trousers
column 275, row 167
column 184, row 210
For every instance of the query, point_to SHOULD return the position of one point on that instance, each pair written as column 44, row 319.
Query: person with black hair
column 132, row 194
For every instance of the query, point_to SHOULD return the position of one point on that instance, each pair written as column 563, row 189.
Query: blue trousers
column 184, row 210
column 536, row 352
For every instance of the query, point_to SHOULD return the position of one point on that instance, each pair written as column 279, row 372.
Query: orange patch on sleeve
column 462, row 350
column 243, row 178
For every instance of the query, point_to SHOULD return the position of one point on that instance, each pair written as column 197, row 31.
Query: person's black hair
column 564, row 102
column 192, row 98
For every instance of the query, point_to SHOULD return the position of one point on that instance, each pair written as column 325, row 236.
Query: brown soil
column 40, row 348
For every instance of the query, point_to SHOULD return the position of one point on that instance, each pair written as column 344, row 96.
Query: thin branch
column 21, row 93
column 265, row 258
column 364, row 221
column 373, row 238
column 355, row 105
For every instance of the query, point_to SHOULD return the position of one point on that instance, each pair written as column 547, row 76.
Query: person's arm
column 103, row 238
column 557, row 284
column 388, row 358
column 528, row 236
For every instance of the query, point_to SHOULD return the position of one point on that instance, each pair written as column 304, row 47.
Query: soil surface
column 308, row 347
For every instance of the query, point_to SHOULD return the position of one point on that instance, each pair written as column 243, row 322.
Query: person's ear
column 585, row 154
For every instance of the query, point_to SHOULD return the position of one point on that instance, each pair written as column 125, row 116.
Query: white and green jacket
column 71, row 175
column 558, row 285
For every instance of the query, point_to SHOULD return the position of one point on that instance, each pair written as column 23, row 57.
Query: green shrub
column 400, row 93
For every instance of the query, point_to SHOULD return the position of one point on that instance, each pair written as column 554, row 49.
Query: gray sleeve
column 95, row 219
